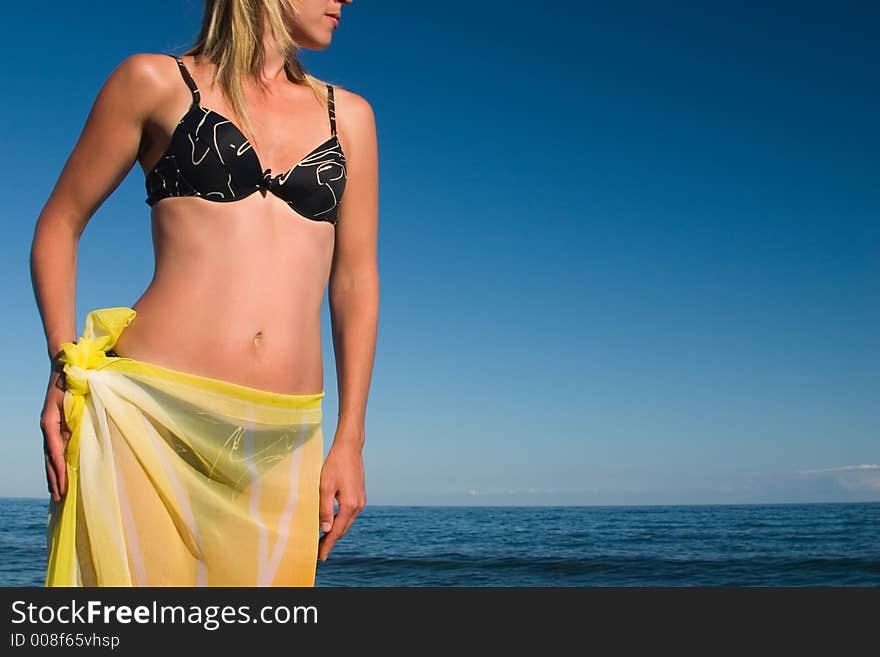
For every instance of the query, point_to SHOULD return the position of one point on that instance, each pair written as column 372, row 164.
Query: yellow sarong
column 176, row 479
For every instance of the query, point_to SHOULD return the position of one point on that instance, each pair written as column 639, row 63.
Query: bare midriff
column 236, row 293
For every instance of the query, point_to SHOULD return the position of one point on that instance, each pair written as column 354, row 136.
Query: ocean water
column 703, row 545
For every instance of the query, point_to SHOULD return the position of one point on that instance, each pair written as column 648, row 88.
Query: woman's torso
column 238, row 286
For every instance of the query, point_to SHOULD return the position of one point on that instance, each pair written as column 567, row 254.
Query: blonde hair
column 231, row 37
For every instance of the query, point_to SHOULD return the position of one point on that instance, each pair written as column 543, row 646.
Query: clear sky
column 628, row 251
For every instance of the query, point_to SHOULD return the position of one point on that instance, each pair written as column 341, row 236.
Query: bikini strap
column 331, row 109
column 188, row 79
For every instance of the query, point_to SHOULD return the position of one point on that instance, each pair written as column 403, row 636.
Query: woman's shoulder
column 352, row 108
column 350, row 98
column 145, row 73
column 356, row 121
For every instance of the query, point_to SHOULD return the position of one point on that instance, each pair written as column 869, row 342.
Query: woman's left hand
column 342, row 479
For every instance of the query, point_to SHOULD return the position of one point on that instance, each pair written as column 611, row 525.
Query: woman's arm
column 354, row 278
column 103, row 155
column 354, row 309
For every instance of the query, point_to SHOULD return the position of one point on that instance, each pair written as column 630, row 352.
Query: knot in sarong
column 102, row 330
column 85, row 354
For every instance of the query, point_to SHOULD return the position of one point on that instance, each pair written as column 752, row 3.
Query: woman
column 182, row 435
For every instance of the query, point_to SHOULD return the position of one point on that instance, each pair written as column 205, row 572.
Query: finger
column 58, row 465
column 325, row 545
column 325, row 513
column 56, row 446
column 61, row 474
column 328, row 540
column 342, row 520
column 50, row 478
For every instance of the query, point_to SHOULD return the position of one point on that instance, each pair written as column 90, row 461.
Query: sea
column 697, row 545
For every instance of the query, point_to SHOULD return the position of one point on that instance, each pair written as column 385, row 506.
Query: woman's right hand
column 55, row 436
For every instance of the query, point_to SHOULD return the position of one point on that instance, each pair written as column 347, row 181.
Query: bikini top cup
column 208, row 156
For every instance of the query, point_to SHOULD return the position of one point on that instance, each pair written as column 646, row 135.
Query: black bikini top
column 208, row 156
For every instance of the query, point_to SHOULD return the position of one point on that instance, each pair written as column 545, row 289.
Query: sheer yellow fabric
column 177, row 479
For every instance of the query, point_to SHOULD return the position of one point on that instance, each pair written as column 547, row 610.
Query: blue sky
column 629, row 254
